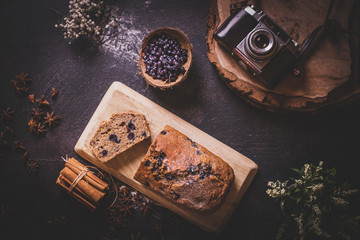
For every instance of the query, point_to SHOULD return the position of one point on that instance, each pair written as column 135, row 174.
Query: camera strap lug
column 236, row 6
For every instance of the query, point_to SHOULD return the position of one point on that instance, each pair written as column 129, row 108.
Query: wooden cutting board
column 120, row 98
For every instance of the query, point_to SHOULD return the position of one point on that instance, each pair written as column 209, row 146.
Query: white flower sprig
column 277, row 189
column 315, row 205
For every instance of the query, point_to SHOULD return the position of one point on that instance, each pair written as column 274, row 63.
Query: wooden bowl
column 184, row 42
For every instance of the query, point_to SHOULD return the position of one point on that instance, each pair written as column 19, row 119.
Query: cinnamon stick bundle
column 82, row 184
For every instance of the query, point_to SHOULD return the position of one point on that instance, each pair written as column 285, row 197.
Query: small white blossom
column 349, row 192
column 307, row 171
column 271, row 184
column 299, row 181
column 278, row 189
column 316, row 209
column 80, row 21
column 339, row 201
column 299, row 221
column 319, row 168
column 316, row 188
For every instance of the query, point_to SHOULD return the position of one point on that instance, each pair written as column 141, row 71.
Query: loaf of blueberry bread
column 184, row 171
column 121, row 132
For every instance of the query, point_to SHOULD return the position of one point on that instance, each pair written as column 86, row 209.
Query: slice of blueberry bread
column 121, row 132
column 183, row 170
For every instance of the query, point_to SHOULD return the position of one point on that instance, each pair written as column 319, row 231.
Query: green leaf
column 296, row 170
column 298, row 200
column 281, row 231
column 297, row 190
column 333, row 172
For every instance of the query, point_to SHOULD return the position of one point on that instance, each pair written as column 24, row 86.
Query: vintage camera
column 262, row 47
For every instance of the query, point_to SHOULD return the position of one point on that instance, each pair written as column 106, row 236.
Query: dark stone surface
column 30, row 43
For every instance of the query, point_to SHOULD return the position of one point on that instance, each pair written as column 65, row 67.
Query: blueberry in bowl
column 165, row 57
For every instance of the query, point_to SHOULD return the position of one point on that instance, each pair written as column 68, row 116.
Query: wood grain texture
column 120, row 98
column 328, row 75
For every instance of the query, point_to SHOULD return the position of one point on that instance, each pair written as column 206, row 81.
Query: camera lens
column 262, row 41
column 260, row 44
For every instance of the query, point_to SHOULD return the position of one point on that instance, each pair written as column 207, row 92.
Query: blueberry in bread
column 121, row 132
column 183, row 170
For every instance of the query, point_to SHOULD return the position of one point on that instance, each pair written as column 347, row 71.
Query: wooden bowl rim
column 181, row 38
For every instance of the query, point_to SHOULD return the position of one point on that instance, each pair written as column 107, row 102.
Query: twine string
column 77, row 179
column 83, row 173
column 116, row 193
column 66, row 159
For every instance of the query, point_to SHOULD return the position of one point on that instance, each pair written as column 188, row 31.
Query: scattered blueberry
column 163, row 132
column 166, row 166
column 104, row 152
column 122, row 123
column 198, row 152
column 191, row 169
column 131, row 126
column 113, row 138
column 162, row 156
column 204, row 170
column 147, row 163
column 144, row 134
column 169, row 176
column 193, row 143
column 131, row 136
column 157, row 165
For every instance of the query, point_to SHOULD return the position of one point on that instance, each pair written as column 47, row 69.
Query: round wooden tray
column 330, row 74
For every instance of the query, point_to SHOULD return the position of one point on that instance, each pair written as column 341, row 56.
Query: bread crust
column 184, row 171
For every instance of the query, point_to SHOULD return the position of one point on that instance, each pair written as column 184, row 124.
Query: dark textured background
column 30, row 43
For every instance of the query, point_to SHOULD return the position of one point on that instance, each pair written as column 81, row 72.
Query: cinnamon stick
column 89, row 190
column 79, row 196
column 91, row 178
column 60, row 182
column 68, row 184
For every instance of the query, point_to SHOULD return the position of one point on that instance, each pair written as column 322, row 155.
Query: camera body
column 261, row 46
